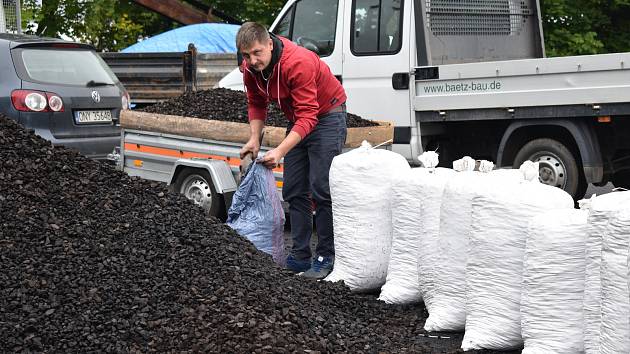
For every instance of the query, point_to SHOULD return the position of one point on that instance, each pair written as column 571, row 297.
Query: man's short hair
column 250, row 33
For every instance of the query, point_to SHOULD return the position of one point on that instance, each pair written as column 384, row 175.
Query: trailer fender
column 585, row 140
column 219, row 171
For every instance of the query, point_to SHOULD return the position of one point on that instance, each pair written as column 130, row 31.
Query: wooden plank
column 185, row 126
column 374, row 135
column 237, row 132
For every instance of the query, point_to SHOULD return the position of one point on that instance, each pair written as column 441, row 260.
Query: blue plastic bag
column 256, row 212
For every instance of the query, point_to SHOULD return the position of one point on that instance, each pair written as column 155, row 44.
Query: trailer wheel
column 196, row 185
column 558, row 166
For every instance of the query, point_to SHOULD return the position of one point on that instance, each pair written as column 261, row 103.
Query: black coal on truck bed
column 92, row 260
column 228, row 105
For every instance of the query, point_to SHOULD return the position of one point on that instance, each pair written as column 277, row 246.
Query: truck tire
column 196, row 185
column 558, row 166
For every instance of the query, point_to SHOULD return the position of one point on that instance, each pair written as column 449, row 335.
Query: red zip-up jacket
column 301, row 84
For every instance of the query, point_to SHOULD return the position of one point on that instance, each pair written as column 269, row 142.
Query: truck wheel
column 196, row 185
column 558, row 166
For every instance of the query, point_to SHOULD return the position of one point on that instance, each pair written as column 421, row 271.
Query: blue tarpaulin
column 207, row 37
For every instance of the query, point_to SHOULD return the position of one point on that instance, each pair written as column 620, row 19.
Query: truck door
column 314, row 25
column 377, row 58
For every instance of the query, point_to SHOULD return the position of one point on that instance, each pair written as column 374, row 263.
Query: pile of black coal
column 92, row 260
column 228, row 105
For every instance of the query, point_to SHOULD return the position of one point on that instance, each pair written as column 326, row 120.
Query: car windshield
column 66, row 66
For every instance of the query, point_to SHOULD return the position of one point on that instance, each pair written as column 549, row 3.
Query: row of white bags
column 470, row 267
column 381, row 207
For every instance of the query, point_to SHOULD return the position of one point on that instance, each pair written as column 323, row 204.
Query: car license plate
column 86, row 117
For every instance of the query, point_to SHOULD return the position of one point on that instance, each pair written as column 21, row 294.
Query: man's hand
column 252, row 147
column 272, row 158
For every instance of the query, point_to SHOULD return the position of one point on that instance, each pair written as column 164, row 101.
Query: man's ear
column 270, row 43
column 239, row 58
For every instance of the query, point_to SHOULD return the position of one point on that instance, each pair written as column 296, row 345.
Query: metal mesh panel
column 10, row 16
column 477, row 17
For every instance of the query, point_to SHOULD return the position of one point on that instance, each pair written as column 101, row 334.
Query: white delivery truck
column 470, row 77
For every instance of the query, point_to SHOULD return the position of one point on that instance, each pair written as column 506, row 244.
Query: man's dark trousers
column 306, row 169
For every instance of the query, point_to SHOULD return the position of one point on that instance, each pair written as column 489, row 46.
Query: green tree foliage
column 248, row 10
column 575, row 27
column 109, row 25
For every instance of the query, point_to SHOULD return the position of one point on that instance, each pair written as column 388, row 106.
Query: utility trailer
column 200, row 158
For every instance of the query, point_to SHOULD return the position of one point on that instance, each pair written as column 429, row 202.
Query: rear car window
column 62, row 66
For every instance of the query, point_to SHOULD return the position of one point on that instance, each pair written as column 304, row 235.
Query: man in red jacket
column 313, row 101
